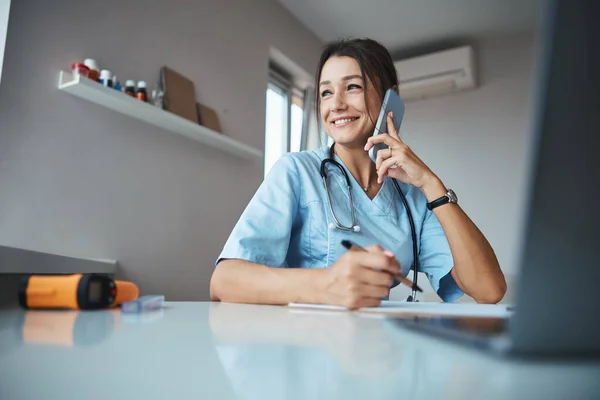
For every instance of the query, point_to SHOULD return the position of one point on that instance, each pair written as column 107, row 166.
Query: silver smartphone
column 393, row 103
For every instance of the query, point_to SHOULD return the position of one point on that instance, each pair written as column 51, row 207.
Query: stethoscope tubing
column 354, row 227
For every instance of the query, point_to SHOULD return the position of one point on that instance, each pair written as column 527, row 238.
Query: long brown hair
column 373, row 58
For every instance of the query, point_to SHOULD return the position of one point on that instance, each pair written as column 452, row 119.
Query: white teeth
column 343, row 121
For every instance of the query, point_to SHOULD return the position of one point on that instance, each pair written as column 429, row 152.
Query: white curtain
column 312, row 138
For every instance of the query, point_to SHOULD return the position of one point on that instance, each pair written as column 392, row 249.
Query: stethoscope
column 354, row 227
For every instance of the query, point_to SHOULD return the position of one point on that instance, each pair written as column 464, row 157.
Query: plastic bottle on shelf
column 94, row 73
column 158, row 96
column 116, row 83
column 80, row 69
column 130, row 88
column 106, row 78
column 141, row 93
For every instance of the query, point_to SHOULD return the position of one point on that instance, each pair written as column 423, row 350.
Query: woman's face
column 344, row 114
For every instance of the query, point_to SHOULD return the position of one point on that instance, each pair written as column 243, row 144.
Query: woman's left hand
column 399, row 161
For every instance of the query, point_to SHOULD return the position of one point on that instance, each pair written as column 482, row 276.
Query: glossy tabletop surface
column 238, row 351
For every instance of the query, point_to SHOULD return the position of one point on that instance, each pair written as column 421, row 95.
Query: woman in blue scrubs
column 286, row 246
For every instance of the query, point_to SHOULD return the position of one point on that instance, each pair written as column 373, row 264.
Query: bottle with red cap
column 94, row 73
column 130, row 88
column 79, row 69
column 142, row 93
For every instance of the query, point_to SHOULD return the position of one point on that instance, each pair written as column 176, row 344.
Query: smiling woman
column 286, row 247
column 352, row 114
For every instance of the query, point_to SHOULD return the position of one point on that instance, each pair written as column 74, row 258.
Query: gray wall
column 81, row 180
column 478, row 143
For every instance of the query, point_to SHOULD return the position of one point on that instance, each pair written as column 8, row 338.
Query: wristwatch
column 449, row 197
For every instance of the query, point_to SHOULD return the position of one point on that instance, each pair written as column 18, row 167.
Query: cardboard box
column 180, row 94
column 208, row 117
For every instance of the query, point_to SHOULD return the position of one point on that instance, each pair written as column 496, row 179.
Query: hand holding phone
column 391, row 103
column 397, row 161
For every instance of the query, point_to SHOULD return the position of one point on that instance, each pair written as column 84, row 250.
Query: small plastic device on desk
column 75, row 292
column 144, row 303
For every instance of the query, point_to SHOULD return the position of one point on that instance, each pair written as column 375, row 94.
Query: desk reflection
column 361, row 345
column 276, row 351
column 67, row 328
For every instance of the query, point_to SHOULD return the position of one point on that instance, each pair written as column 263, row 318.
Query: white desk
column 228, row 351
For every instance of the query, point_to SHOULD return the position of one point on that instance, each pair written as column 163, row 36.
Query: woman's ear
column 395, row 87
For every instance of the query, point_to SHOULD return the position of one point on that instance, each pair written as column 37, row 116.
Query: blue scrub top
column 286, row 224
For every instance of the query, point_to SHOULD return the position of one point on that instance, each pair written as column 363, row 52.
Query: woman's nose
column 338, row 102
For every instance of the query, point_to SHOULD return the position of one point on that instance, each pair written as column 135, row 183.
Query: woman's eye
column 325, row 93
column 353, row 86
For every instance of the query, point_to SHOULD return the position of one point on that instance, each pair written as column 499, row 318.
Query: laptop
column 557, row 306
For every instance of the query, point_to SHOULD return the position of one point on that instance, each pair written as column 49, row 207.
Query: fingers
column 377, row 249
column 376, row 278
column 364, row 295
column 382, row 138
column 392, row 162
column 381, row 156
column 379, row 261
column 366, row 276
column 371, row 302
column 360, row 302
column 391, row 128
column 375, row 291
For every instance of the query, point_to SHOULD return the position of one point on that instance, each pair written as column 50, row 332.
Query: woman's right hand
column 360, row 278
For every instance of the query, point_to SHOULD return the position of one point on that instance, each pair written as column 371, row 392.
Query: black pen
column 351, row 246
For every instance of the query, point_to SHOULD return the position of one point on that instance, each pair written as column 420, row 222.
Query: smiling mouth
column 343, row 122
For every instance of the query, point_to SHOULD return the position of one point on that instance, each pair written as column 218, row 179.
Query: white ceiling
column 405, row 24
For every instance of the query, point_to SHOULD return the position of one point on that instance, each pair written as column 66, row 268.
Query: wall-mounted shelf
column 14, row 260
column 124, row 104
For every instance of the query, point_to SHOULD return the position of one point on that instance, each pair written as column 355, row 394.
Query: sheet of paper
column 423, row 308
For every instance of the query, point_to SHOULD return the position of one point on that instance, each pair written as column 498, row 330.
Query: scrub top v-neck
column 287, row 222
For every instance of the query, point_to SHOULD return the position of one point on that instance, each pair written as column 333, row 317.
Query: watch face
column 452, row 196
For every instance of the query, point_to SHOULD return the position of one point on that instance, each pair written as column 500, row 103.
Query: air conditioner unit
column 437, row 73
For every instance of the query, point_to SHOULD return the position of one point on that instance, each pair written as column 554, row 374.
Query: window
column 284, row 117
column 4, row 11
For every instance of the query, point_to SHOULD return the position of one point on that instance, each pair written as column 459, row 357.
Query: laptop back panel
column 558, row 306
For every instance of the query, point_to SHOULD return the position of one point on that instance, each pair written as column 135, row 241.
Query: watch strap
column 438, row 202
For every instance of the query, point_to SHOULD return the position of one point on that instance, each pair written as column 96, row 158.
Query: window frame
column 283, row 82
